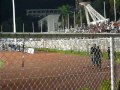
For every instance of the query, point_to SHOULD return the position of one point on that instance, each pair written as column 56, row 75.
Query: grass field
column 105, row 55
column 62, row 51
column 2, row 63
column 117, row 57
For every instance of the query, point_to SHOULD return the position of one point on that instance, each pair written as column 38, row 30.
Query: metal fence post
column 23, row 57
column 112, row 61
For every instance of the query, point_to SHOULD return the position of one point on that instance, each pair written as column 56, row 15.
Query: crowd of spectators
column 110, row 27
column 12, row 47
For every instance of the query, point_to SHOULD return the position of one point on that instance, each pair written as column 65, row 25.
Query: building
column 50, row 23
column 48, row 19
column 42, row 12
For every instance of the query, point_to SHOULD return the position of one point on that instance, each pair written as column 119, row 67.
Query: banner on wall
column 30, row 50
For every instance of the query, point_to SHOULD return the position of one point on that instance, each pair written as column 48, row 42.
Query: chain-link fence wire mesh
column 116, row 52
column 57, row 63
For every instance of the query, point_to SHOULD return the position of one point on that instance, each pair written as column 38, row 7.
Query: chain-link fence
column 59, row 62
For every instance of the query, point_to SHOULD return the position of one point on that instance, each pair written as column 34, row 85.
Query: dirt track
column 50, row 71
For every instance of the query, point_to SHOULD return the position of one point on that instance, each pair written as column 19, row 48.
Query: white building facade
column 51, row 23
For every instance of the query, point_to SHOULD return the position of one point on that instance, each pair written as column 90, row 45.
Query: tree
column 111, row 2
column 109, row 8
column 65, row 10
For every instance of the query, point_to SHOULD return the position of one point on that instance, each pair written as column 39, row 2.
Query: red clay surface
column 50, row 71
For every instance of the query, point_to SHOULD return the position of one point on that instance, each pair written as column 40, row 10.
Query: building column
column 41, row 26
column 74, row 20
column 68, row 22
column 23, row 28
column 33, row 27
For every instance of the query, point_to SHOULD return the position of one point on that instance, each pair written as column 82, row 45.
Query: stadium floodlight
column 14, row 24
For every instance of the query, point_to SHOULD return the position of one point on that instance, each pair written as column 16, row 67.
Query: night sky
column 22, row 5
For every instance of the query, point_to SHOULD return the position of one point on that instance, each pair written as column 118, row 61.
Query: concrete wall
column 76, row 44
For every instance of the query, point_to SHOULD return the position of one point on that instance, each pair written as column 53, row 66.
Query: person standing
column 98, row 57
column 108, row 53
column 92, row 52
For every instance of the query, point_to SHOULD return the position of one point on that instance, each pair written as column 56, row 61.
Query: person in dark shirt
column 108, row 52
column 98, row 57
column 92, row 52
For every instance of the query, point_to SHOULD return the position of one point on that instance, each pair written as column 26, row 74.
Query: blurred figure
column 98, row 57
column 108, row 53
column 92, row 52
